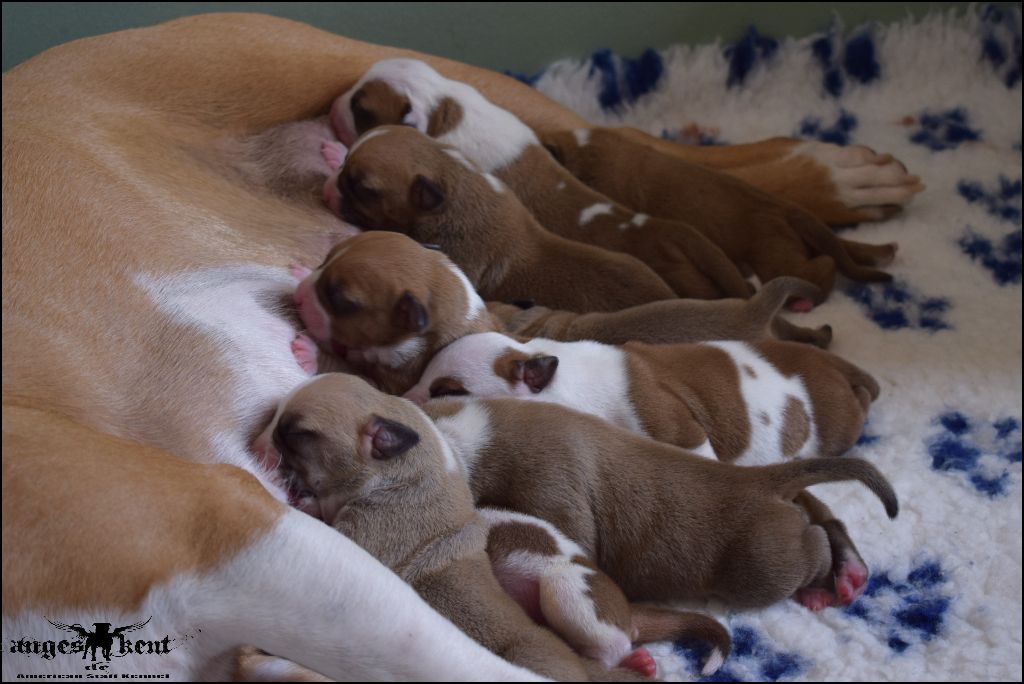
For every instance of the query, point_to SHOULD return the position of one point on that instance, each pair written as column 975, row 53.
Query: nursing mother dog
column 146, row 340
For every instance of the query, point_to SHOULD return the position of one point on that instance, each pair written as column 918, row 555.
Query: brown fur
column 488, row 234
column 624, row 497
column 756, row 230
column 683, row 392
column 411, row 511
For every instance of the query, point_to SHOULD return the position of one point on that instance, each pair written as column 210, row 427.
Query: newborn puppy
column 396, row 178
column 405, row 91
column 770, row 238
column 663, row 523
column 552, row 579
column 385, row 304
column 745, row 403
column 373, row 467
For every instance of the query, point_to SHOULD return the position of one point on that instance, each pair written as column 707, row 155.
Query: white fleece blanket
column 942, row 94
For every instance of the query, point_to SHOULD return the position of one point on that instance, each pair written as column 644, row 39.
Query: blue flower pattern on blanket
column 753, row 658
column 897, row 305
column 904, row 612
column 838, row 133
column 1001, row 44
column 859, row 61
column 983, row 452
column 745, row 55
column 945, row 130
column 999, row 254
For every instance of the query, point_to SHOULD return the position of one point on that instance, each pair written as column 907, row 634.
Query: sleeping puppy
column 385, row 304
column 744, row 403
column 374, row 467
column 663, row 523
column 396, row 178
column 408, row 92
column 754, row 230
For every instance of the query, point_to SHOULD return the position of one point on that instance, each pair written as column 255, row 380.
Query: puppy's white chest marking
column 475, row 305
column 766, row 393
column 593, row 211
column 466, row 432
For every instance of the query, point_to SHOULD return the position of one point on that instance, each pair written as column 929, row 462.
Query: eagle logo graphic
column 102, row 637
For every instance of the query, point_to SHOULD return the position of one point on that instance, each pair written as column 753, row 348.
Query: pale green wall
column 521, row 36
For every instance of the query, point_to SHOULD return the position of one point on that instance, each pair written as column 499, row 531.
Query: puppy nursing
column 402, row 91
column 742, row 403
column 374, row 467
column 397, row 179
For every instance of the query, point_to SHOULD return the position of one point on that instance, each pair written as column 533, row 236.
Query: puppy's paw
column 641, row 661
column 332, row 196
column 334, row 153
column 851, row 580
column 868, row 185
column 815, row 598
column 306, row 353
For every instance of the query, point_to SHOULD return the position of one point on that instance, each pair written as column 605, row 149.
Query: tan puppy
column 396, row 178
column 192, row 283
column 698, row 528
column 396, row 303
column 494, row 141
column 759, row 233
column 748, row 403
column 374, row 468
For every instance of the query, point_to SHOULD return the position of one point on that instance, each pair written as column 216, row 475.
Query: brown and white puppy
column 396, row 178
column 409, row 92
column 745, row 403
column 385, row 304
column 664, row 523
column 756, row 231
column 374, row 467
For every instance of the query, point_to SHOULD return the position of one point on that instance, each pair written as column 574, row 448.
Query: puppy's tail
column 790, row 478
column 651, row 623
column 769, row 299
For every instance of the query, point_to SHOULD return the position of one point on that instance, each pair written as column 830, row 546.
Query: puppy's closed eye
column 447, row 387
column 289, row 436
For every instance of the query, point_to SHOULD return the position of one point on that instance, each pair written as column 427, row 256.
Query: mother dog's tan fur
column 130, row 239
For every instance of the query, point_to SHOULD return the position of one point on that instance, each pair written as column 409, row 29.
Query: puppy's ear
column 384, row 439
column 425, row 194
column 535, row 373
column 410, row 314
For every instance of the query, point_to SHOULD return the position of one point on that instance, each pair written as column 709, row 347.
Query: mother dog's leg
column 206, row 553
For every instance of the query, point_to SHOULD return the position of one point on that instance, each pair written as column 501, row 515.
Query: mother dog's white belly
column 243, row 312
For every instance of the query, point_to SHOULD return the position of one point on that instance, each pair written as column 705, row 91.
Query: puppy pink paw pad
column 851, row 580
column 815, row 599
column 334, row 153
column 640, row 661
column 800, row 304
column 305, row 351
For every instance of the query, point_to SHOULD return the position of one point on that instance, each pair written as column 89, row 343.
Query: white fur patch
column 461, row 158
column 560, row 186
column 488, row 135
column 705, row 449
column 639, row 219
column 474, row 304
column 495, row 184
column 466, row 432
column 582, row 136
column 593, row 211
column 394, row 356
column 767, row 394
column 369, row 135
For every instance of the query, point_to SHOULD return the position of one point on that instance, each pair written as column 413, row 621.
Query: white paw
column 864, row 180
